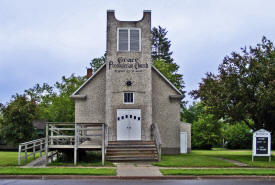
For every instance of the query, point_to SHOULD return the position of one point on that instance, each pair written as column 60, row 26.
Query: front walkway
column 137, row 169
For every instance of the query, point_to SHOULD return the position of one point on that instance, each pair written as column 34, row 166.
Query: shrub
column 237, row 136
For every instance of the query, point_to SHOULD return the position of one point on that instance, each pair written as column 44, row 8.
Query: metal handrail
column 157, row 139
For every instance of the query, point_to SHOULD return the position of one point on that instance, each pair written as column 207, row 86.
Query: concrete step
column 131, row 142
column 132, row 150
column 132, row 154
column 130, row 146
column 123, row 158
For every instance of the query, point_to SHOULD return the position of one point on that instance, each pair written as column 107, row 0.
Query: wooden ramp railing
column 76, row 136
column 35, row 146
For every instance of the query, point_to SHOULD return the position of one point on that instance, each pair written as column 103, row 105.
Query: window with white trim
column 128, row 39
column 128, row 97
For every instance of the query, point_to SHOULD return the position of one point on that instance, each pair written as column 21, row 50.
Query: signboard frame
column 261, row 134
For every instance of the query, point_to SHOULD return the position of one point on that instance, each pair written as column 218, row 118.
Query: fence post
column 19, row 155
column 46, row 143
column 41, row 143
column 33, row 151
column 26, row 151
column 75, row 143
column 52, row 134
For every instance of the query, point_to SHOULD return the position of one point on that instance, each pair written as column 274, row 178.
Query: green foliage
column 237, row 136
column 162, row 57
column 206, row 132
column 161, row 45
column 244, row 88
column 191, row 114
column 17, row 118
column 96, row 63
column 56, row 106
column 169, row 70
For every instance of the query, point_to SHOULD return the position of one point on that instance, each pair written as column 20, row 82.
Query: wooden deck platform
column 76, row 136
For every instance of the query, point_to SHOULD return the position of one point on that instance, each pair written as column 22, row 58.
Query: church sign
column 127, row 64
column 261, row 144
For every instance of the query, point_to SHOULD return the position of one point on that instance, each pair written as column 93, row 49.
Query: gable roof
column 89, row 79
column 176, row 89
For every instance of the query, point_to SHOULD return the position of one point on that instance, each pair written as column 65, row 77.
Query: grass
column 57, row 171
column 266, row 172
column 10, row 159
column 89, row 159
column 95, row 163
column 212, row 158
column 243, row 156
column 191, row 160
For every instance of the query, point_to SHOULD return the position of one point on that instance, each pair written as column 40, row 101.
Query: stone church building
column 128, row 94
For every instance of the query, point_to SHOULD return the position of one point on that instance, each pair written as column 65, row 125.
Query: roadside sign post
column 261, row 144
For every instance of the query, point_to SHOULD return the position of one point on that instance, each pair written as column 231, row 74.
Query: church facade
column 128, row 93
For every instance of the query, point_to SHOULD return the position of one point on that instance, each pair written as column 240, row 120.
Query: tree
column 192, row 113
column 96, row 63
column 237, row 136
column 169, row 71
column 17, row 119
column 56, row 106
column 161, row 45
column 206, row 132
column 162, row 57
column 244, row 88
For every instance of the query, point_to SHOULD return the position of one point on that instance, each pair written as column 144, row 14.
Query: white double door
column 128, row 124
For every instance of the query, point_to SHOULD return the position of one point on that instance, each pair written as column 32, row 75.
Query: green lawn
column 93, row 163
column 243, row 156
column 191, row 160
column 211, row 158
column 229, row 171
column 89, row 159
column 57, row 171
column 10, row 159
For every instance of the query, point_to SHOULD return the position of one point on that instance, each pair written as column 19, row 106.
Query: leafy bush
column 237, row 136
column 206, row 132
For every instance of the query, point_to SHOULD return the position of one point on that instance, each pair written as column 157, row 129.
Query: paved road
column 136, row 182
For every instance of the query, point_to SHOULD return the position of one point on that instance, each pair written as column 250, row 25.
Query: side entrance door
column 128, row 124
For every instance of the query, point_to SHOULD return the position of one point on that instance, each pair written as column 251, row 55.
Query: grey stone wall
column 116, row 78
column 92, row 109
column 166, row 114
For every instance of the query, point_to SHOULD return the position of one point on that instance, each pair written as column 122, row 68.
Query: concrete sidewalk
column 138, row 170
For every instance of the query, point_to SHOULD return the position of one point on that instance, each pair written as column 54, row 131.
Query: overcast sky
column 40, row 41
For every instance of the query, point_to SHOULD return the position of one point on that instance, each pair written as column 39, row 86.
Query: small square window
column 122, row 117
column 130, row 116
column 126, row 116
column 128, row 97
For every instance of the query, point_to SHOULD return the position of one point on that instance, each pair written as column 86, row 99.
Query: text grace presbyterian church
column 138, row 104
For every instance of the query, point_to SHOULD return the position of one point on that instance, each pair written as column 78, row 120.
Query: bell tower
column 128, row 71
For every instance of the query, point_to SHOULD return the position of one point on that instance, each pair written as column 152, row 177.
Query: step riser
column 131, row 151
column 131, row 143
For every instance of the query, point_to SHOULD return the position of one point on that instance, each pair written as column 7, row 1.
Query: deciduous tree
column 17, row 119
column 244, row 88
